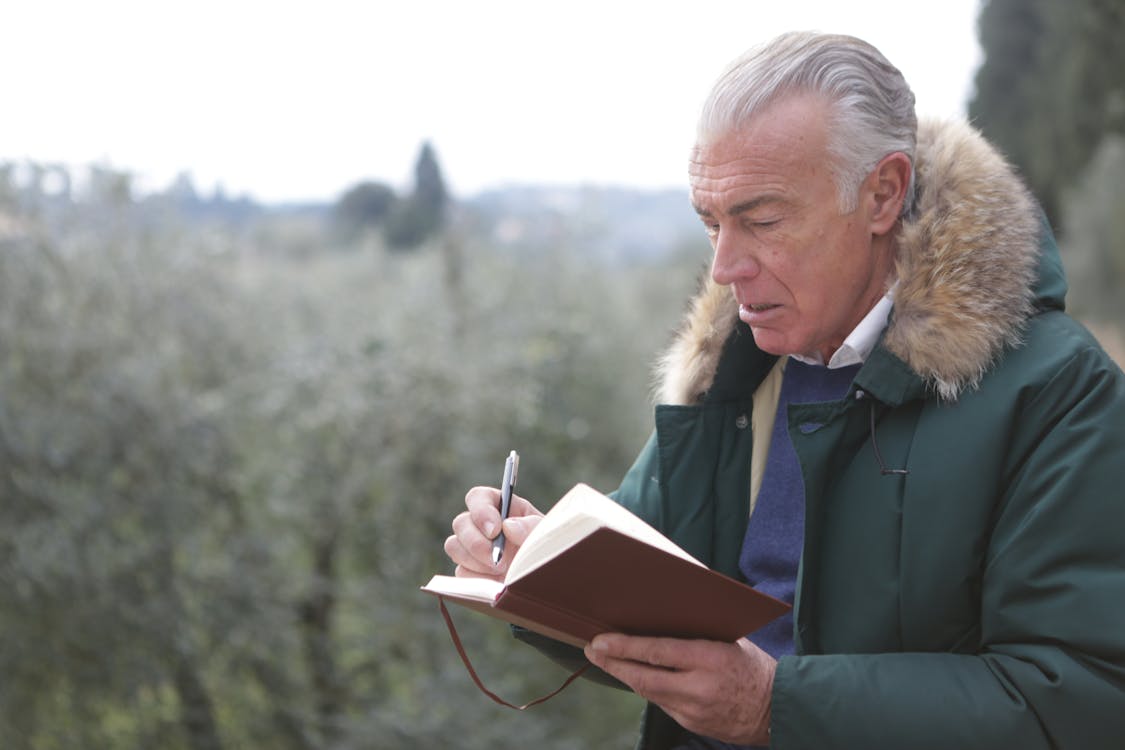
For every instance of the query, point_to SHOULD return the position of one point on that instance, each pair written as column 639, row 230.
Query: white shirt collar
column 859, row 342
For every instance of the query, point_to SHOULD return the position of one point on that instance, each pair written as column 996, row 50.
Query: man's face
column 803, row 273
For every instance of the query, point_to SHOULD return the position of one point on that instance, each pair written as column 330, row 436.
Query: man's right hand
column 470, row 546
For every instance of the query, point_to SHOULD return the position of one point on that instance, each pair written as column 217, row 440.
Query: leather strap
column 472, row 672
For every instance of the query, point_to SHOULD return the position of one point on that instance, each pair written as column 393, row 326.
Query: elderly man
column 878, row 410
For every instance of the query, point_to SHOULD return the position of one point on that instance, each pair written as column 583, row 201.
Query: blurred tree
column 1095, row 212
column 182, row 190
column 422, row 214
column 1052, row 85
column 7, row 185
column 429, row 186
column 109, row 187
column 1051, row 94
column 1007, row 83
column 406, row 226
column 363, row 206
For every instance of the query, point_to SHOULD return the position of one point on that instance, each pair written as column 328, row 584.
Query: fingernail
column 489, row 529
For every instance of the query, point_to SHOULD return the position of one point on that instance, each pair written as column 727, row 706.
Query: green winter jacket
column 978, row 600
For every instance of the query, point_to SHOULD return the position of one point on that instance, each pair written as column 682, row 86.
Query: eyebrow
column 741, row 208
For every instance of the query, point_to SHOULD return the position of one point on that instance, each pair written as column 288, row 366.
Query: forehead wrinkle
column 766, row 159
column 739, row 192
column 746, row 180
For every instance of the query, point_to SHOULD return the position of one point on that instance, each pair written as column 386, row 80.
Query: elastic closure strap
column 860, row 395
column 472, row 672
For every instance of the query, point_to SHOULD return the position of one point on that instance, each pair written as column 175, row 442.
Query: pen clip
column 513, row 473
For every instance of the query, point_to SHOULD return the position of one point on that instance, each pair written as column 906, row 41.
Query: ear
column 887, row 184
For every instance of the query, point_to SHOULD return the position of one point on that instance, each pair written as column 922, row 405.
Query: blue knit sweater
column 771, row 550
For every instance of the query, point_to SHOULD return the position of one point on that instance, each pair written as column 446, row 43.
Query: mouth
column 757, row 314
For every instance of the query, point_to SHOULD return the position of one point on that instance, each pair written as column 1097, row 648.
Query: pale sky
column 294, row 101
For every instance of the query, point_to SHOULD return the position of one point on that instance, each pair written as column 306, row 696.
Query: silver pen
column 511, row 469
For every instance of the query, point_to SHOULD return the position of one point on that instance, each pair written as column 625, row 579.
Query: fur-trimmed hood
column 967, row 263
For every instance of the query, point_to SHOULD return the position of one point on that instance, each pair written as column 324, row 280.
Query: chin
column 770, row 343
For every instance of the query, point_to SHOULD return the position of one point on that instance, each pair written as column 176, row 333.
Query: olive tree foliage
column 226, row 467
column 120, row 502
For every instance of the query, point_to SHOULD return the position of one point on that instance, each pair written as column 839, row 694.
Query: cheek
column 795, row 264
column 836, row 256
column 814, row 287
column 783, row 255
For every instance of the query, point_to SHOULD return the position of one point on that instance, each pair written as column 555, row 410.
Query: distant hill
column 607, row 224
column 611, row 223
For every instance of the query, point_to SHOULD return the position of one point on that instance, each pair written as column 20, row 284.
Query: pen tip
column 496, row 556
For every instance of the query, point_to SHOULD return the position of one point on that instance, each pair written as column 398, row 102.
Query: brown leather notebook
column 592, row 567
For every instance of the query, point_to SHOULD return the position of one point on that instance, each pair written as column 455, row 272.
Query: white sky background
column 293, row 101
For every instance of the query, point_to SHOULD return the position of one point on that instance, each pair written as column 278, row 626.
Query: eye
column 764, row 224
column 710, row 226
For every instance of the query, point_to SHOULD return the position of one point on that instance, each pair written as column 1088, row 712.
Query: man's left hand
column 718, row 690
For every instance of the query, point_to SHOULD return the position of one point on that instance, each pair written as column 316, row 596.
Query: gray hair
column 872, row 105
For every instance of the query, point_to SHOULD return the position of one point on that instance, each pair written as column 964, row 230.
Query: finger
column 516, row 530
column 462, row 572
column 521, row 507
column 466, row 564
column 670, row 653
column 654, row 683
column 476, row 548
column 475, row 529
column 484, row 509
column 687, row 694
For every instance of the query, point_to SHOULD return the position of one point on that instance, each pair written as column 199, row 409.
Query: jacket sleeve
column 637, row 493
column 1050, row 669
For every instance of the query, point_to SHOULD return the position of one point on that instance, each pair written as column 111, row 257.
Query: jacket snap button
column 742, row 422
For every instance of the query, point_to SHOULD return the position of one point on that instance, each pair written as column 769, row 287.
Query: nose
column 734, row 259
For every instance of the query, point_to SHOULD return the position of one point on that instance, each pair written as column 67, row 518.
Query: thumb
column 516, row 529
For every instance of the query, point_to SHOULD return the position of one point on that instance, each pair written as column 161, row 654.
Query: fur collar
column 966, row 269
